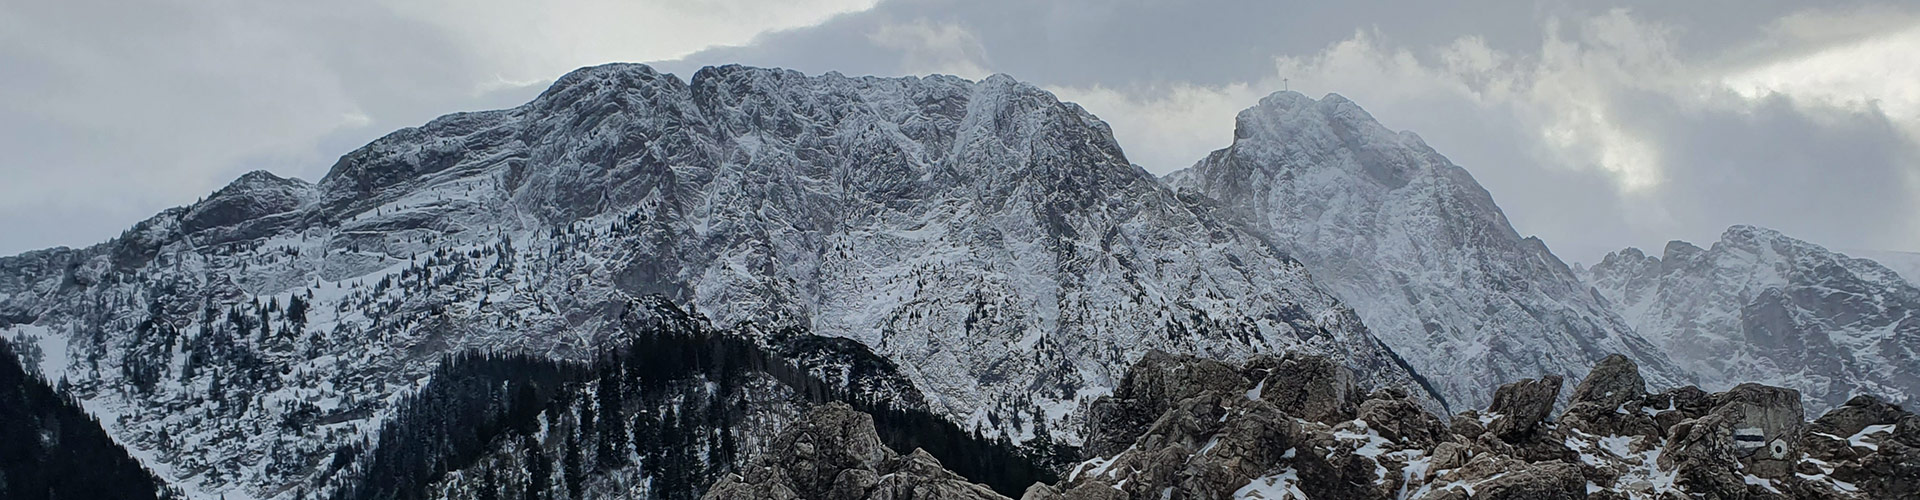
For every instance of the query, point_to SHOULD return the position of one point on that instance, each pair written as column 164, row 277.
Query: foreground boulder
column 833, row 453
column 1615, row 381
column 1611, row 401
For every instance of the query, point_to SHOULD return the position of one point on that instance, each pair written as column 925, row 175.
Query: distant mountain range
column 1763, row 307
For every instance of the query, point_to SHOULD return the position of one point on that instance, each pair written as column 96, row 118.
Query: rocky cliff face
column 1760, row 306
column 990, row 240
column 1416, row 246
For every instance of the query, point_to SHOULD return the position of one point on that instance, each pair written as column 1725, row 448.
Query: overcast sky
column 1594, row 126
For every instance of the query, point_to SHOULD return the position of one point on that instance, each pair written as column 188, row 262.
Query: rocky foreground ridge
column 1297, row 427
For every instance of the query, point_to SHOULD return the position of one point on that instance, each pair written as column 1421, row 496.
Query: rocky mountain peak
column 1415, row 244
column 1760, row 305
column 988, row 239
column 254, row 196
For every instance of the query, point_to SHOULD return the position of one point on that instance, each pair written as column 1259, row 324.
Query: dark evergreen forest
column 54, row 450
column 664, row 396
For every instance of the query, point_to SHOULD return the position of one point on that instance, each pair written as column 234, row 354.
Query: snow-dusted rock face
column 1906, row 264
column 989, row 239
column 1760, row 306
column 1415, row 245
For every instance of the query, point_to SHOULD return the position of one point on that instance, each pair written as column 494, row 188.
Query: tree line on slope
column 663, row 414
column 51, row 448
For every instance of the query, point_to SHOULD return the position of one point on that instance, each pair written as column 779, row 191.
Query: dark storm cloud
column 1086, row 42
column 117, row 109
column 1828, row 176
column 111, row 111
column 1658, row 162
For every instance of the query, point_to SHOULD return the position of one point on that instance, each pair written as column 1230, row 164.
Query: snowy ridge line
column 1761, row 306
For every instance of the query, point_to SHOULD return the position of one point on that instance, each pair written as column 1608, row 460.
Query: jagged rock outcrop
column 1610, row 402
column 1521, row 407
column 255, row 205
column 1750, row 428
column 833, row 453
column 1759, row 306
column 1226, row 440
column 1613, row 382
column 1416, row 246
column 1867, row 443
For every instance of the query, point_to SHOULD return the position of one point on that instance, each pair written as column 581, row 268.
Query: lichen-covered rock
column 1470, row 424
column 1491, row 476
column 1767, row 426
column 1223, row 433
column 1830, row 437
column 919, row 476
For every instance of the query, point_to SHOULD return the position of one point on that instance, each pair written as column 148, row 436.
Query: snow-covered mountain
column 1906, row 264
column 989, row 240
column 1758, row 306
column 1415, row 245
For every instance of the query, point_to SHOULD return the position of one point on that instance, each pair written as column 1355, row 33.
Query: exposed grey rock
column 1752, row 429
column 1469, row 424
column 1827, row 437
column 1156, row 383
column 258, row 204
column 1609, row 402
column 1548, row 481
column 1310, row 387
column 833, row 453
column 1220, row 443
column 1613, row 382
column 1087, row 490
column 1672, row 406
column 1227, row 432
column 1520, row 407
column 1401, row 420
column 1869, row 443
